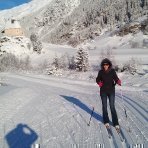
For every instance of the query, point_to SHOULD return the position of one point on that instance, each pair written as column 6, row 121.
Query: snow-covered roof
column 12, row 24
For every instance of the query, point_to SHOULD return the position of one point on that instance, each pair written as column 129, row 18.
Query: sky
column 8, row 4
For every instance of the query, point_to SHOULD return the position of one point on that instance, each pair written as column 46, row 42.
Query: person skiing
column 107, row 79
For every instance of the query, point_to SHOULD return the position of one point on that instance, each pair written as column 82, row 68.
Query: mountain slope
column 74, row 21
column 79, row 20
column 23, row 10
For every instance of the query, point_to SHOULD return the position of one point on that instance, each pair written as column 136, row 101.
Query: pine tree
column 54, row 66
column 71, row 63
column 37, row 45
column 55, row 63
column 82, row 63
column 63, row 62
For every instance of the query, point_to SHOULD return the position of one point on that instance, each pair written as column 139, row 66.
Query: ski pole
column 124, row 108
column 123, row 103
column 90, row 117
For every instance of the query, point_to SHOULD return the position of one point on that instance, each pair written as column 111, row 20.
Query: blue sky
column 8, row 4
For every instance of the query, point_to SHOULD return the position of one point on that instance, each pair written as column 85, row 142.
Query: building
column 12, row 28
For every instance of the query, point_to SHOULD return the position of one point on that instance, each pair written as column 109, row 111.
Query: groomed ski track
column 58, row 110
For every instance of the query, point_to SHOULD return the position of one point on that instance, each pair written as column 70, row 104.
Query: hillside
column 74, row 21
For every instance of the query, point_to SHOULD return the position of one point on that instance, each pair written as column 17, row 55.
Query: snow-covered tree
column 10, row 62
column 54, row 66
column 63, row 62
column 36, row 43
column 56, row 63
column 71, row 63
column 82, row 60
column 25, row 63
column 65, row 23
column 132, row 66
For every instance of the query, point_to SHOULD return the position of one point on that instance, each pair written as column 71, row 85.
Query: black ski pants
column 111, row 97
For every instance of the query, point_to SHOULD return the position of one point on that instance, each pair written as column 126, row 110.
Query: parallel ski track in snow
column 137, row 121
column 65, row 123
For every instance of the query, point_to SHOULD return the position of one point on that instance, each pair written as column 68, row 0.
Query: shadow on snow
column 21, row 137
column 83, row 106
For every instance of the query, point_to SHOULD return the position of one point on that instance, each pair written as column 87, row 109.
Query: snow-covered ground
column 20, row 46
column 120, row 47
column 54, row 112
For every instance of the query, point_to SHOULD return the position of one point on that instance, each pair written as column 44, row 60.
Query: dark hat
column 106, row 61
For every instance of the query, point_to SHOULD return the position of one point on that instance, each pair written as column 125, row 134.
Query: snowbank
column 18, row 46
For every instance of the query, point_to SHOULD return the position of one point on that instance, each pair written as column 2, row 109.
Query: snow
column 10, row 25
column 19, row 46
column 21, row 11
column 58, row 110
column 119, row 46
column 54, row 111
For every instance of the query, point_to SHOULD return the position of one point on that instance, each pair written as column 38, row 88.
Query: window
column 12, row 21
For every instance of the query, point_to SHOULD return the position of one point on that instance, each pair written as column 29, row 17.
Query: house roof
column 12, row 24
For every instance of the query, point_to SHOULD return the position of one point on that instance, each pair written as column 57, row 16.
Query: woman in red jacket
column 107, row 79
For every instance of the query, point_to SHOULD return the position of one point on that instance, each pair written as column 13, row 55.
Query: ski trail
column 59, row 114
column 140, row 107
column 136, row 108
column 108, row 142
column 139, row 97
column 137, row 126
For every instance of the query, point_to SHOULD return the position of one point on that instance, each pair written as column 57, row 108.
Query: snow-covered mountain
column 83, row 23
column 78, row 20
column 73, row 21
